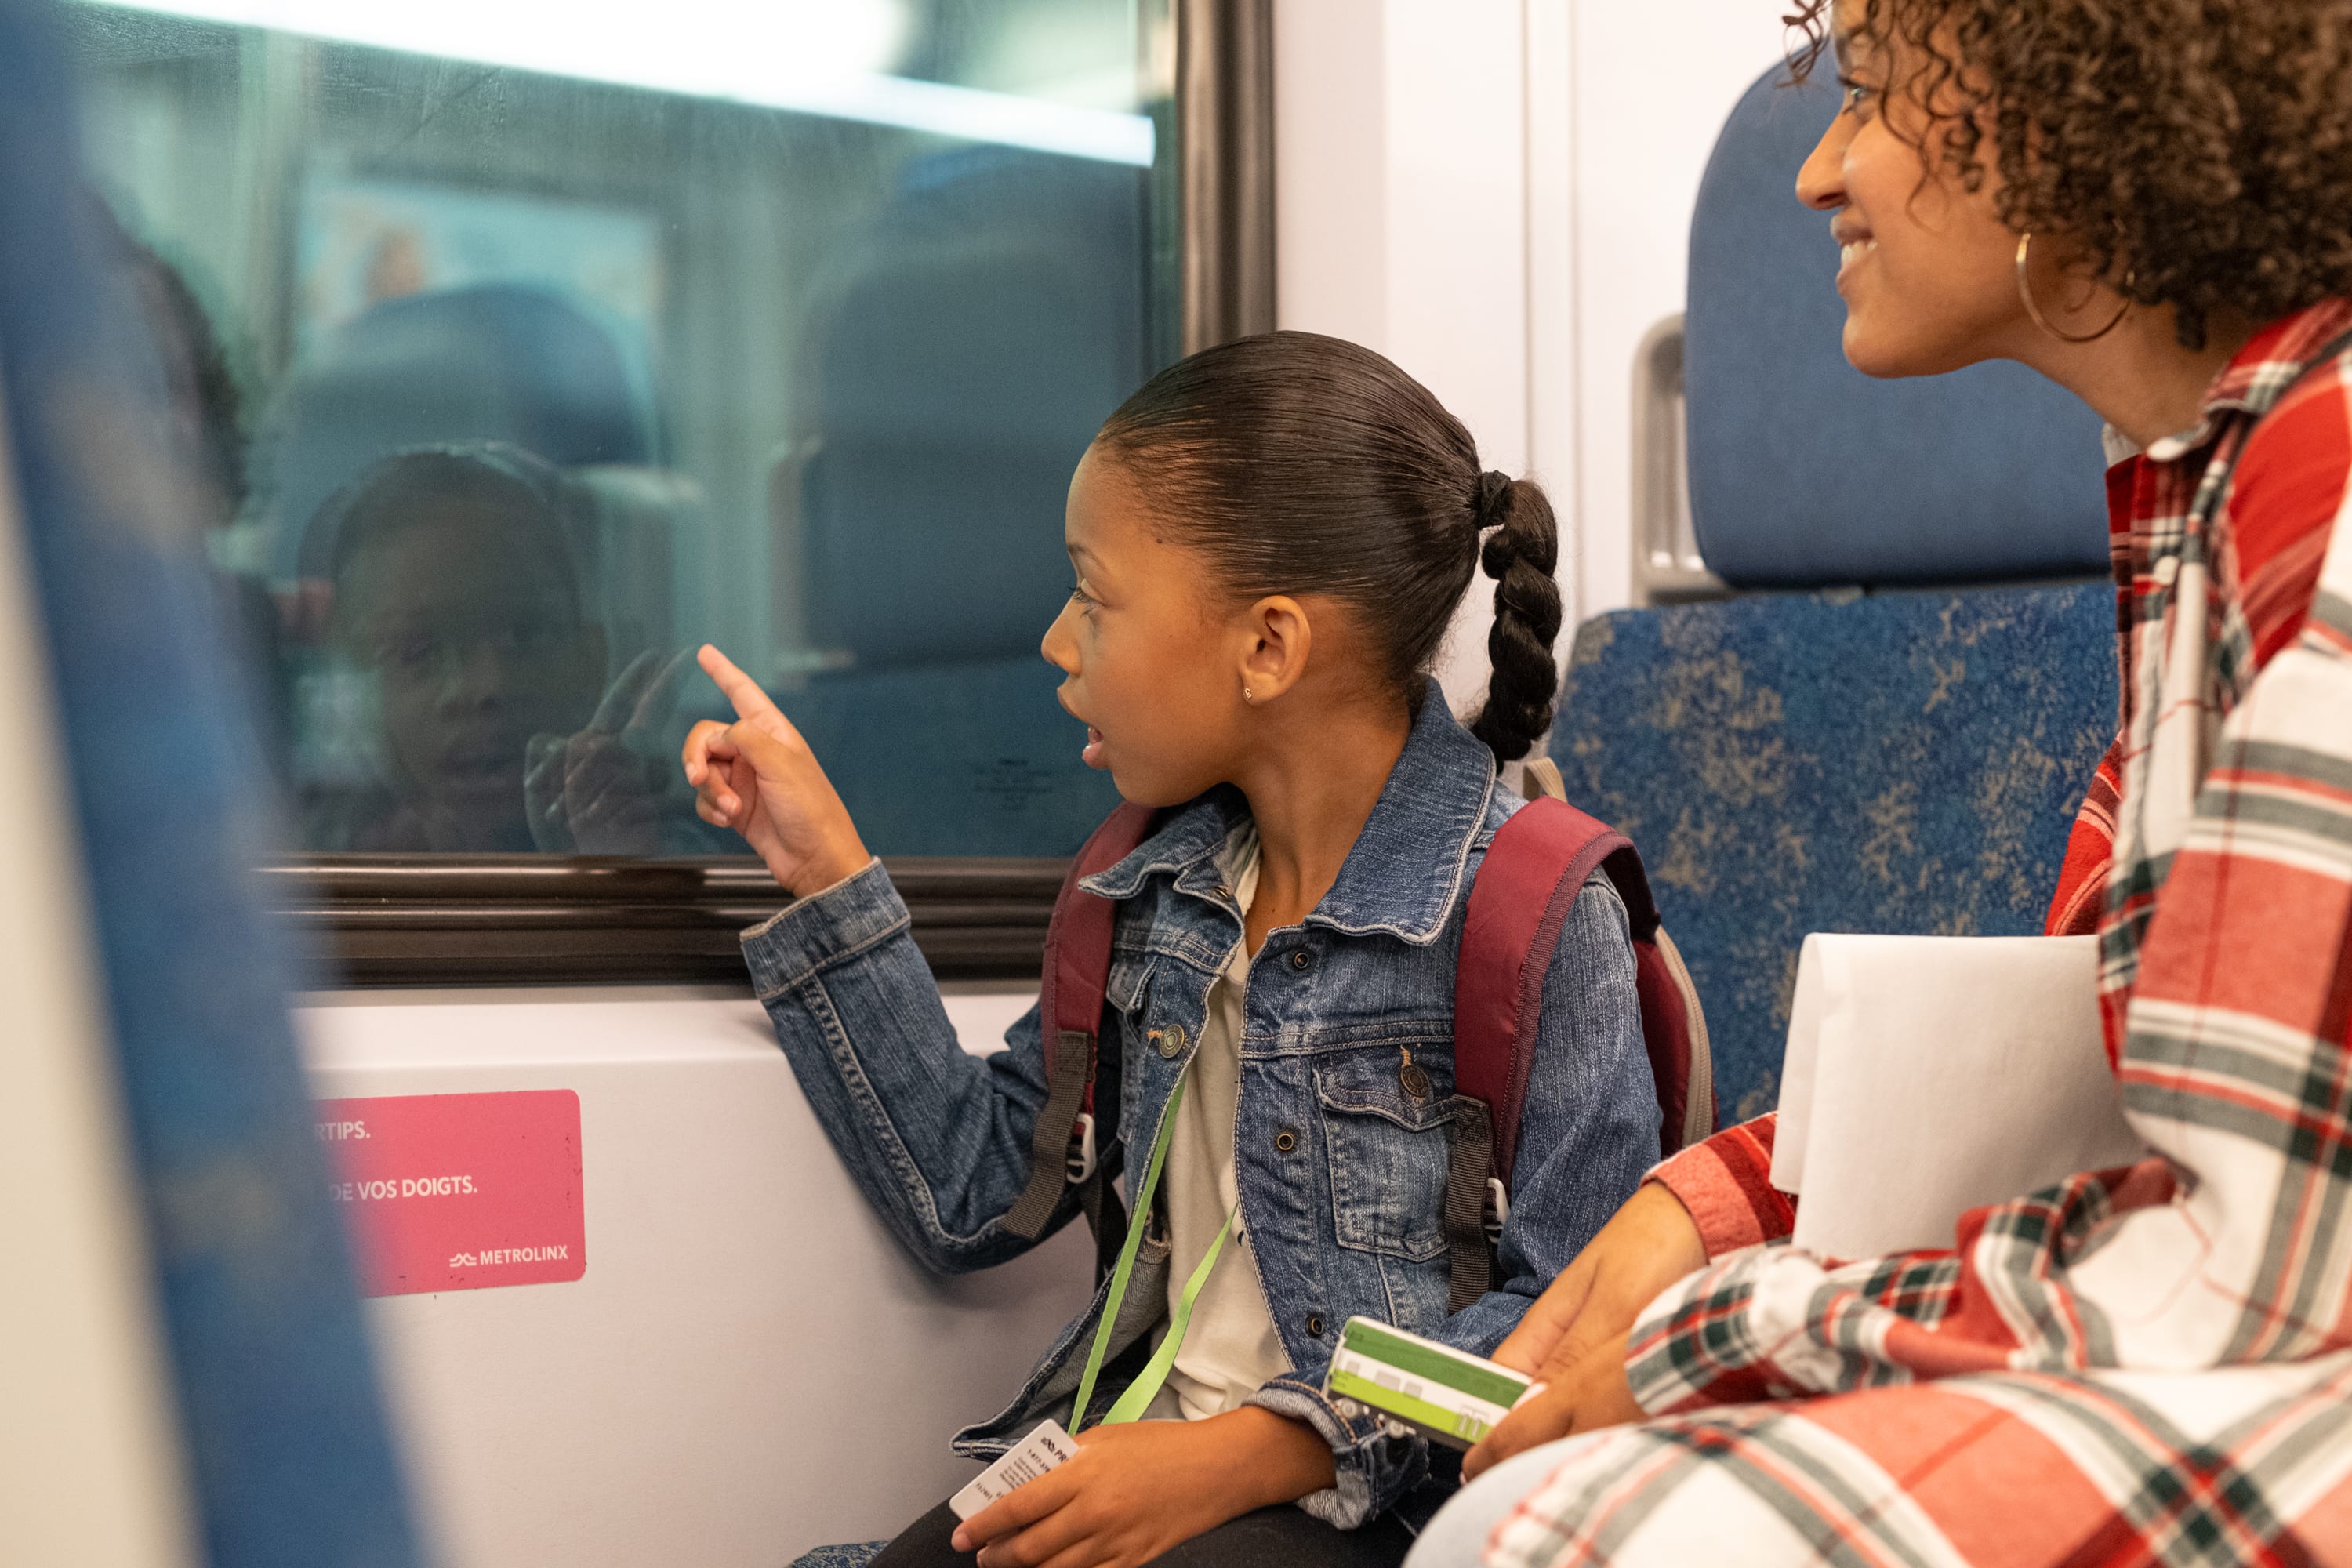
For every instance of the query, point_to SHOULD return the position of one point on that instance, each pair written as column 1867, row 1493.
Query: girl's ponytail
column 1520, row 553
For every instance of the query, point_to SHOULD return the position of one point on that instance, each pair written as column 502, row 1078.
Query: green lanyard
column 1140, row 1394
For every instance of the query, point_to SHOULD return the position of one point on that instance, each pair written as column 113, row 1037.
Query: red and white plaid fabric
column 2141, row 1366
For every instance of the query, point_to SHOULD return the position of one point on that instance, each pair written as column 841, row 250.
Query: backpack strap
column 1077, row 978
column 1538, row 861
column 1673, row 1025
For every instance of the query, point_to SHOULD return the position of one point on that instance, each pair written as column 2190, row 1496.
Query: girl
column 2151, row 203
column 1270, row 540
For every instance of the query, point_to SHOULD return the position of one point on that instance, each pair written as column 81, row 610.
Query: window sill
column 450, row 920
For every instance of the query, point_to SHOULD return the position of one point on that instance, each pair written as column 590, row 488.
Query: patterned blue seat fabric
column 1903, row 762
column 1845, row 760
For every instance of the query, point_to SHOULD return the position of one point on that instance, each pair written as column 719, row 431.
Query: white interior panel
column 750, row 1365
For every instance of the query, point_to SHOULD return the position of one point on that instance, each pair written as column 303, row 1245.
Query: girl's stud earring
column 1246, row 695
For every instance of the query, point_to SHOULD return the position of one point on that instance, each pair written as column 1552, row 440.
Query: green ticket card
column 1449, row 1395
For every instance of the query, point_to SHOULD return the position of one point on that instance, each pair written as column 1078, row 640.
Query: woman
column 2151, row 203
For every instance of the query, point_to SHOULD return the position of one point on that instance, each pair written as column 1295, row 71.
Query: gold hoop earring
column 2025, row 292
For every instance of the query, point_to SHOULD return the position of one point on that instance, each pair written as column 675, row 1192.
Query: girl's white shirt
column 1231, row 1350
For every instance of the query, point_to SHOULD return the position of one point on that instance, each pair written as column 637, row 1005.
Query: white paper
column 1927, row 1076
column 1048, row 1448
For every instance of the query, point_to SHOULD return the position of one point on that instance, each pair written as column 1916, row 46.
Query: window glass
column 527, row 345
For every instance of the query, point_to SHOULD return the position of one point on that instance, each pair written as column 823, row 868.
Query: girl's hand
column 1585, row 1397
column 1145, row 1488
column 598, row 792
column 760, row 778
column 1645, row 1246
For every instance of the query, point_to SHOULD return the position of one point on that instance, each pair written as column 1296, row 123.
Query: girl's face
column 476, row 645
column 1152, row 659
column 1927, row 269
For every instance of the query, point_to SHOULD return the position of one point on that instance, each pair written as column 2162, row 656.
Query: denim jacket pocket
column 1130, row 974
column 1387, row 1148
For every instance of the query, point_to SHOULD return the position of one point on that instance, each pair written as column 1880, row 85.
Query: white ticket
column 1039, row 1452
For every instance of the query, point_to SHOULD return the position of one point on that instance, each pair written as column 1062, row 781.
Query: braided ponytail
column 1520, row 554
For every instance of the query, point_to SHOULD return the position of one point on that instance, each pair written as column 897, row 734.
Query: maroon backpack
column 1532, row 872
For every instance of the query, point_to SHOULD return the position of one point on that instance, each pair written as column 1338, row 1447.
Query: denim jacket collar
column 1407, row 866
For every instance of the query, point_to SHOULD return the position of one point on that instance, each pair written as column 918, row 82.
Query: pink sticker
column 459, row 1191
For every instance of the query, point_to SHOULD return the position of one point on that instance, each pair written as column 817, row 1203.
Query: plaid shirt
column 2020, row 1398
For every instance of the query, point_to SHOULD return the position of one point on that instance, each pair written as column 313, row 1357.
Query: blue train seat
column 1878, row 741
column 495, row 362
column 959, row 355
column 285, row 1448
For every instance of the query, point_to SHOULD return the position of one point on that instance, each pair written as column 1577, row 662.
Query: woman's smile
column 1853, row 246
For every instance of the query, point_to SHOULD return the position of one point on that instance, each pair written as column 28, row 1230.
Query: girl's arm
column 937, row 1139
column 1589, row 1130
column 1588, row 1127
column 1138, row 1490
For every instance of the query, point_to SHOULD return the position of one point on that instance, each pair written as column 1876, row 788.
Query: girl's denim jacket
column 1341, row 1166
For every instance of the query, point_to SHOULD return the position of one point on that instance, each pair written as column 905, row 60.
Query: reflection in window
column 525, row 346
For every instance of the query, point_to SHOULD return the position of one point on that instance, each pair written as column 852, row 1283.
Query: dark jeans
column 1284, row 1537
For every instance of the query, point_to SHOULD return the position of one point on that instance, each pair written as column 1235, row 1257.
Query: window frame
column 412, row 921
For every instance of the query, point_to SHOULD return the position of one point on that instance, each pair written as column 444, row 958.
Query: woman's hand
column 1142, row 1488
column 1585, row 1397
column 760, row 778
column 1573, row 1340
column 1646, row 1246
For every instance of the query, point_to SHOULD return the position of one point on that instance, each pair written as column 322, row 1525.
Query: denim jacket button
column 1285, row 1140
column 1300, row 958
column 1170, row 1041
column 1315, row 1325
column 1414, row 1080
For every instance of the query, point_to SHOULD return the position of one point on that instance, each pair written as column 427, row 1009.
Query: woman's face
column 1152, row 659
column 1926, row 266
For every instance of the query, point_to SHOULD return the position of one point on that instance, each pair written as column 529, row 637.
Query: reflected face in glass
column 526, row 230
column 477, row 644
column 1150, row 658
column 1926, row 265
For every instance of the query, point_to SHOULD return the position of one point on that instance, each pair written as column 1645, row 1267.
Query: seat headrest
column 1806, row 473
column 960, row 352
column 498, row 361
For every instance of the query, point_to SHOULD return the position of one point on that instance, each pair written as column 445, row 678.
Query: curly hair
column 2201, row 149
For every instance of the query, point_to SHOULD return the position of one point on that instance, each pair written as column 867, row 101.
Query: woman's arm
column 2221, row 1251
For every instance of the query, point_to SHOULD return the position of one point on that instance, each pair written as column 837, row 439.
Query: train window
column 529, row 344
